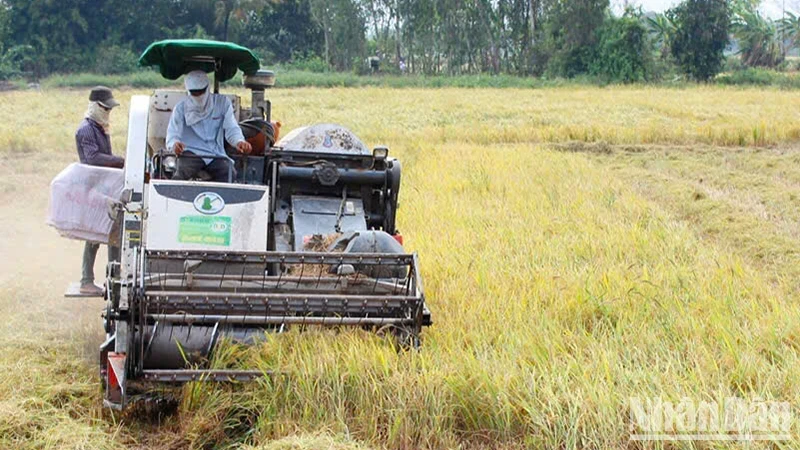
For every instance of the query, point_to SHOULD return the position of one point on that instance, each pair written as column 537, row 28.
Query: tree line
column 554, row 38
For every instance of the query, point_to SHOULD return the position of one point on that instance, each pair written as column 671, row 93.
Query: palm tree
column 759, row 41
column 789, row 27
column 662, row 28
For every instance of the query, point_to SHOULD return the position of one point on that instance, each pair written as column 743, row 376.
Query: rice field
column 579, row 247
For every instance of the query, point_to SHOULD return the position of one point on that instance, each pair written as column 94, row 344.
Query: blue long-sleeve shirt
column 94, row 146
column 207, row 137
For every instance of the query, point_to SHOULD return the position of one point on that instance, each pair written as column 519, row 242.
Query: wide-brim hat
column 103, row 95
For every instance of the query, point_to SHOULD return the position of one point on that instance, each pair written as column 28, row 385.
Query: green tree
column 134, row 24
column 624, row 51
column 58, row 31
column 701, row 35
column 789, row 27
column 283, row 30
column 5, row 17
column 343, row 30
column 72, row 35
column 759, row 41
column 321, row 13
column 241, row 10
column 571, row 31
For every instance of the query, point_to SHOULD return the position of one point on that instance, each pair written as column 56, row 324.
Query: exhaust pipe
column 257, row 82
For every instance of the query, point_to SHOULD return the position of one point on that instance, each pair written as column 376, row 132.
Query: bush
column 624, row 52
column 115, row 60
column 17, row 61
column 361, row 66
column 791, row 64
column 733, row 63
column 570, row 63
column 759, row 77
column 308, row 63
column 141, row 79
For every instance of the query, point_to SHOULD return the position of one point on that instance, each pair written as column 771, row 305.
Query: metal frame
column 222, row 289
column 242, row 293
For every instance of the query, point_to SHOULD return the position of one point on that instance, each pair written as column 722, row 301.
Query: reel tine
column 285, row 309
column 302, row 269
column 241, row 278
column 321, row 269
column 227, row 313
column 360, row 264
column 377, row 275
column 280, row 272
column 339, row 273
column 266, row 310
column 264, row 273
column 183, row 275
column 224, row 271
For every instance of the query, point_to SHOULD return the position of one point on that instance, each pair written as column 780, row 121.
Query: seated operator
column 198, row 126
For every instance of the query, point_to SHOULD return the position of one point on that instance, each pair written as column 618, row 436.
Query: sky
column 770, row 8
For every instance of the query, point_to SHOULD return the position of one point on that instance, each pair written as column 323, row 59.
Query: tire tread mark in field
column 741, row 200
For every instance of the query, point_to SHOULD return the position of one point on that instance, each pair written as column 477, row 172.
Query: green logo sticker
column 209, row 203
column 209, row 230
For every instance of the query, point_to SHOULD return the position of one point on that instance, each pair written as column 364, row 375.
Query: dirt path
column 48, row 344
column 36, row 260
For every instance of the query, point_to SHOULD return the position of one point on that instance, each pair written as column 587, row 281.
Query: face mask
column 99, row 115
column 198, row 108
column 200, row 100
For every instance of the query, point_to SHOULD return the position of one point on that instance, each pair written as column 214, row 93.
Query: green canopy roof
column 175, row 57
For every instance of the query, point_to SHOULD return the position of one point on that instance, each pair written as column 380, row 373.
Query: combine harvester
column 303, row 235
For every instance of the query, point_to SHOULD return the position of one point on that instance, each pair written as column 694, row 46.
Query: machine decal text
column 205, row 230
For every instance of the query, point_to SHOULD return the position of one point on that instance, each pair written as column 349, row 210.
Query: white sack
column 79, row 199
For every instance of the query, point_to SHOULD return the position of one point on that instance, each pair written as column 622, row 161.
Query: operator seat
column 162, row 102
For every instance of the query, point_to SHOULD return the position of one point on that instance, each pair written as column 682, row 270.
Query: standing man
column 94, row 148
column 199, row 127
